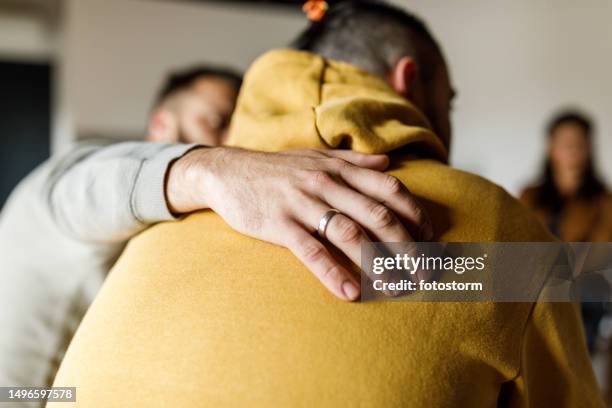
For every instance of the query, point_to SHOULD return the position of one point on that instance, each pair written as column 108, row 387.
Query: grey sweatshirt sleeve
column 110, row 193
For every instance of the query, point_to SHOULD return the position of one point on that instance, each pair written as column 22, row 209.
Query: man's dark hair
column 372, row 35
column 181, row 80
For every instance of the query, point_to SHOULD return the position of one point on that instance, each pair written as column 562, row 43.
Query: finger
column 342, row 232
column 370, row 161
column 378, row 220
column 313, row 254
column 346, row 235
column 391, row 192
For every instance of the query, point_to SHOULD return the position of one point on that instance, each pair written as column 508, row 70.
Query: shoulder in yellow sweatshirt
column 195, row 314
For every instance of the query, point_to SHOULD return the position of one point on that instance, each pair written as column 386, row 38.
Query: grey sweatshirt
column 60, row 232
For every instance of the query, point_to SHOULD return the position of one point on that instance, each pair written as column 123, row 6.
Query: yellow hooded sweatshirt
column 197, row 315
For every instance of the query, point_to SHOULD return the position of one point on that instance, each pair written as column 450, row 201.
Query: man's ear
column 403, row 76
column 163, row 126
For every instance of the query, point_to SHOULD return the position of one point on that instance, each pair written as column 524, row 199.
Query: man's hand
column 281, row 197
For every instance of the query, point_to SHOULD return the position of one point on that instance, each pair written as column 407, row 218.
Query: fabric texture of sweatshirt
column 196, row 314
column 60, row 232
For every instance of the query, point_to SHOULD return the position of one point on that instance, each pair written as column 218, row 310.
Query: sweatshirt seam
column 321, row 79
column 524, row 333
column 147, row 203
column 522, row 343
column 132, row 202
column 320, row 101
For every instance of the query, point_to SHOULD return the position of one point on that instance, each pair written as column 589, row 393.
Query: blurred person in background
column 571, row 200
column 66, row 223
column 195, row 106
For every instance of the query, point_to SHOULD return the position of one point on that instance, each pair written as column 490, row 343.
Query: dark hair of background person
column 373, row 36
column 183, row 79
column 548, row 195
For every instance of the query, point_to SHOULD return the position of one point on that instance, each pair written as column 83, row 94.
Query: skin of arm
column 109, row 194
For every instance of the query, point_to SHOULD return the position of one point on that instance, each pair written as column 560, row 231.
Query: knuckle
column 392, row 185
column 337, row 164
column 381, row 216
column 332, row 272
column 312, row 252
column 418, row 214
column 348, row 232
column 319, row 178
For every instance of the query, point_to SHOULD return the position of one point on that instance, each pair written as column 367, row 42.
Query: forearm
column 109, row 194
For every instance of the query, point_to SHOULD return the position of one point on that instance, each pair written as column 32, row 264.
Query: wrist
column 186, row 181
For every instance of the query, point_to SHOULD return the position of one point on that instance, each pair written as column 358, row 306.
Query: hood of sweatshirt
column 293, row 99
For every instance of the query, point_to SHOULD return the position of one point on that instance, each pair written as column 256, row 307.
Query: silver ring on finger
column 324, row 222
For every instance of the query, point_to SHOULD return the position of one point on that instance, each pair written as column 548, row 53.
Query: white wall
column 513, row 63
column 116, row 52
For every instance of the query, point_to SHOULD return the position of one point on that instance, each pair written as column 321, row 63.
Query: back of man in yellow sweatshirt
column 195, row 314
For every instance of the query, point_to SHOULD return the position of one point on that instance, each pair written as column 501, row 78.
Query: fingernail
column 386, row 159
column 351, row 291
